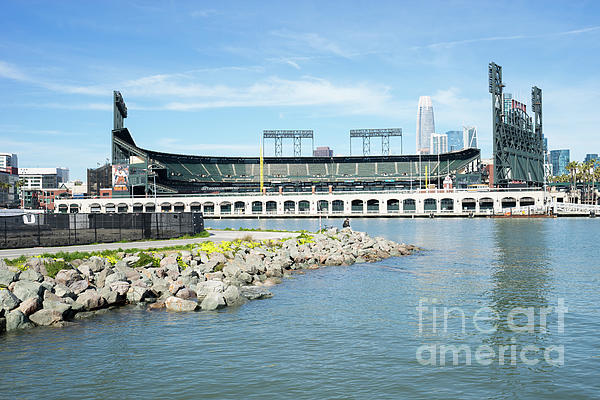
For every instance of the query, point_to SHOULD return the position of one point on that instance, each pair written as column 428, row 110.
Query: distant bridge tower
column 367, row 134
column 297, row 135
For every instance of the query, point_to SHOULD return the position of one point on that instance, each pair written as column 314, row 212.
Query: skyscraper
column 470, row 136
column 559, row 160
column 590, row 157
column 455, row 140
column 425, row 124
column 439, row 143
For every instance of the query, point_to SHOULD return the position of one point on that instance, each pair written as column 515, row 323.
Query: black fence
column 32, row 230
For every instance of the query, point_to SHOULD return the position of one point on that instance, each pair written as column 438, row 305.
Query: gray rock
column 37, row 264
column 205, row 288
column 7, row 276
column 63, row 291
column 46, row 317
column 186, row 293
column 112, row 297
column 79, row 286
column 86, row 270
column 8, row 301
column 101, row 276
column 26, row 289
column 67, row 276
column 58, row 306
column 30, row 306
column 31, row 275
column 213, row 301
column 97, row 264
column 137, row 294
column 120, row 287
column 130, row 273
column 232, row 269
column 180, row 305
column 232, row 296
column 17, row 320
column 91, row 300
column 131, row 260
column 117, row 276
column 255, row 292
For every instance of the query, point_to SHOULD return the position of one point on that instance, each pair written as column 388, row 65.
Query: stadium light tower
column 297, row 135
column 367, row 134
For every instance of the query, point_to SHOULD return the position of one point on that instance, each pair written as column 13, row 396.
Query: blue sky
column 208, row 77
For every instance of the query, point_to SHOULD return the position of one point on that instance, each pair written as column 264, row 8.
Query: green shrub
column 55, row 266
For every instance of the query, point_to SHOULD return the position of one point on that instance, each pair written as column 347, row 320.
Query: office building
column 590, row 157
column 322, row 151
column 425, row 125
column 455, row 140
column 559, row 160
column 43, row 178
column 9, row 160
column 439, row 143
column 470, row 137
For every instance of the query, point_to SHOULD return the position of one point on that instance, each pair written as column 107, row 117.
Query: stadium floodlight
column 367, row 134
column 119, row 110
column 518, row 140
column 297, row 135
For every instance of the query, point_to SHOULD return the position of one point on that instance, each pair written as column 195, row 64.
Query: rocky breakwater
column 203, row 276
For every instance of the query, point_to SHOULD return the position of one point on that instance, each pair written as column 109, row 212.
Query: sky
column 207, row 77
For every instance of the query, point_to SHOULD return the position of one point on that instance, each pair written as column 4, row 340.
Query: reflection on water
column 346, row 332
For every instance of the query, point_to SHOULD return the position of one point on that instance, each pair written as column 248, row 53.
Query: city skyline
column 208, row 80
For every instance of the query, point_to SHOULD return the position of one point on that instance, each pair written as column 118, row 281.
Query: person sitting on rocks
column 346, row 223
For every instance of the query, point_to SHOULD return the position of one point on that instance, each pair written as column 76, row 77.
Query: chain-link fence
column 31, row 230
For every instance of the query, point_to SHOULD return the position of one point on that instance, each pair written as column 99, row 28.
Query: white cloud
column 505, row 38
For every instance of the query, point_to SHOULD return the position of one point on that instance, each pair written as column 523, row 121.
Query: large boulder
column 117, row 276
column 97, row 264
column 233, row 296
column 67, row 276
column 37, row 265
column 30, row 306
column 112, row 297
column 138, row 293
column 8, row 301
column 121, row 287
column 63, row 291
column 255, row 292
column 186, row 293
column 91, row 300
column 203, row 289
column 173, row 303
column 46, row 317
column 17, row 320
column 58, row 306
column 31, row 274
column 213, row 301
column 26, row 289
column 79, row 286
column 8, row 276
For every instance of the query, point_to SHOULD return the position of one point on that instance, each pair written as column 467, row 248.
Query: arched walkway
column 409, row 205
column 357, row 207
column 393, row 205
column 430, row 205
column 372, row 206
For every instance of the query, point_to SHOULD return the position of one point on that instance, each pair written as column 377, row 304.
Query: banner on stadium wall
column 120, row 177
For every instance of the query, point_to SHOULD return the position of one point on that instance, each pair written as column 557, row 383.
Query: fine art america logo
column 436, row 320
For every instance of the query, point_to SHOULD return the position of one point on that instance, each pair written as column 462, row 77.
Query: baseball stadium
column 171, row 174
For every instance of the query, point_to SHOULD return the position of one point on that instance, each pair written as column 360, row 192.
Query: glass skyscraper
column 559, row 160
column 439, row 143
column 425, row 125
column 470, row 137
column 455, row 140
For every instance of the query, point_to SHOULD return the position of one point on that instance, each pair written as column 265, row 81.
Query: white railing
column 576, row 208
